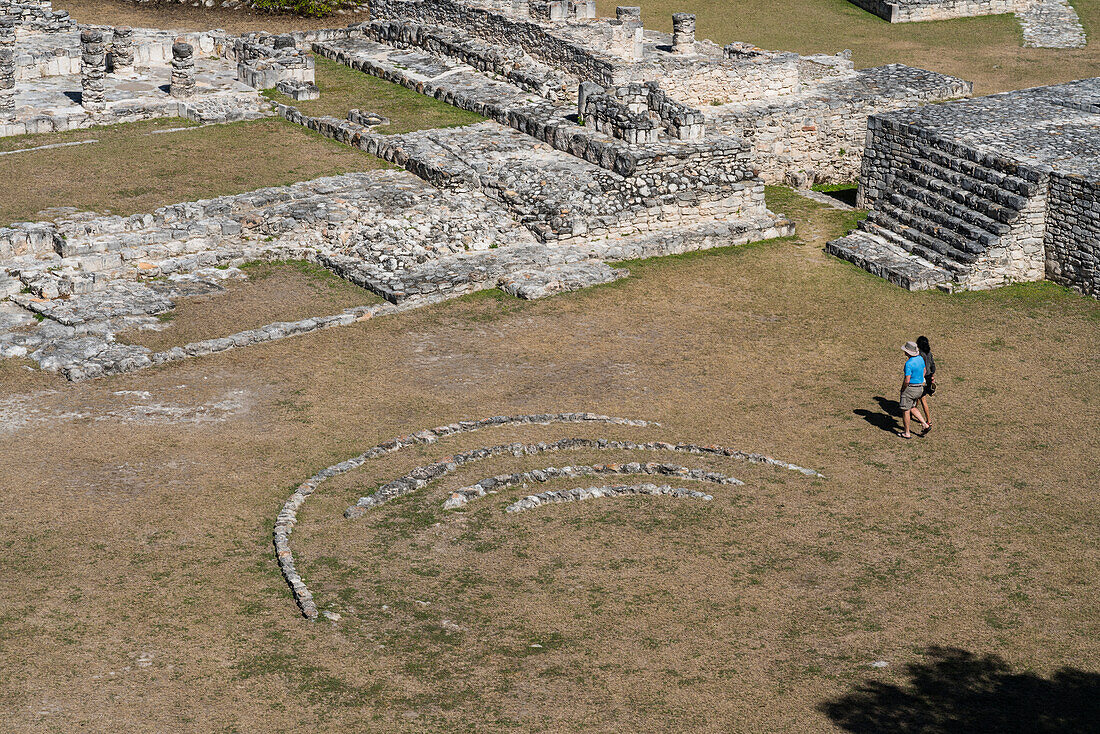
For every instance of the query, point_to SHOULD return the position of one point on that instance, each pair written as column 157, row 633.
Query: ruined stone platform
column 994, row 190
column 53, row 103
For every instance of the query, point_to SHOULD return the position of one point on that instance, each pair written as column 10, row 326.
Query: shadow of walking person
column 886, row 420
column 957, row 692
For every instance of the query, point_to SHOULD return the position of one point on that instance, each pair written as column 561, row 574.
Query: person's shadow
column 954, row 691
column 887, row 420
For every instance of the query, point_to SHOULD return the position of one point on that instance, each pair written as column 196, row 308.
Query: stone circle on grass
column 422, row 476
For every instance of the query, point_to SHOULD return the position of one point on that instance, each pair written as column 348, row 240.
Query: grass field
column 142, row 592
column 937, row 585
column 343, row 88
column 134, row 169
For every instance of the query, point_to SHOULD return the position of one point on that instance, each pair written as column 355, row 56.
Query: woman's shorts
column 911, row 395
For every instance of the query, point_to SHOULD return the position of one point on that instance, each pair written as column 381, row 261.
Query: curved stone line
column 421, row 476
column 460, row 497
column 288, row 515
column 581, row 493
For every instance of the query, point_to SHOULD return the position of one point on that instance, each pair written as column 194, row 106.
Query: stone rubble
column 620, row 490
column 421, row 476
column 493, row 484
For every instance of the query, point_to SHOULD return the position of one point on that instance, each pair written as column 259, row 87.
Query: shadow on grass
column 954, row 691
column 885, row 420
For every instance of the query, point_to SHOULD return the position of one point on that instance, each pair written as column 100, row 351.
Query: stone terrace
column 983, row 192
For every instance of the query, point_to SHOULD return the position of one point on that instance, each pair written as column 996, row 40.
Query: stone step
column 967, row 214
column 949, row 222
column 880, row 257
column 915, row 242
column 974, row 202
column 965, row 181
column 927, row 233
column 999, row 172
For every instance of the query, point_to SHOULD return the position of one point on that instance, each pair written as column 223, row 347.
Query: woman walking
column 929, row 376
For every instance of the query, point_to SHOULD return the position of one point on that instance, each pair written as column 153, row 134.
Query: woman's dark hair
column 923, row 345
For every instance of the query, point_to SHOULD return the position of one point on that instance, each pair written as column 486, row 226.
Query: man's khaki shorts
column 910, row 396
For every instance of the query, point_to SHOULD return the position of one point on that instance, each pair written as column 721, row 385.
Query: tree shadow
column 887, row 419
column 957, row 692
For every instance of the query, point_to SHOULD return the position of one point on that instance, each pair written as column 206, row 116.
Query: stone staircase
column 939, row 216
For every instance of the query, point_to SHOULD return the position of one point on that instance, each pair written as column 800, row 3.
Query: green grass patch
column 343, row 88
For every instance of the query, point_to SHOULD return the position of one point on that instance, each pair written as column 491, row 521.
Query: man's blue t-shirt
column 914, row 368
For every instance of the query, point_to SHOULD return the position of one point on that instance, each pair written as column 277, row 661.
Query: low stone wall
column 60, row 55
column 37, row 16
column 509, row 62
column 905, row 11
column 495, row 28
column 702, row 82
column 1072, row 238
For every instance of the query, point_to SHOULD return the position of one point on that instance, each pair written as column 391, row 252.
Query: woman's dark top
column 929, row 363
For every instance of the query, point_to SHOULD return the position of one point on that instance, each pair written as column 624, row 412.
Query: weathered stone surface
column 587, row 493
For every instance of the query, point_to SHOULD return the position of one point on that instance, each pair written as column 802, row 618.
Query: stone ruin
column 984, row 192
column 66, row 77
column 605, row 141
column 1045, row 23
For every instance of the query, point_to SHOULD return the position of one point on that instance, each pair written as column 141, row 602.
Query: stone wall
column 501, row 30
column 702, row 81
column 509, row 62
column 905, row 11
column 820, row 137
column 1072, row 239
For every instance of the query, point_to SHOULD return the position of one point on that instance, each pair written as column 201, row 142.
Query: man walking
column 912, row 388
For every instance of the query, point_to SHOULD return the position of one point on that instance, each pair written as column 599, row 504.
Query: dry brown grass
column 280, row 291
column 187, row 18
column 343, row 88
column 127, row 540
column 130, row 170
